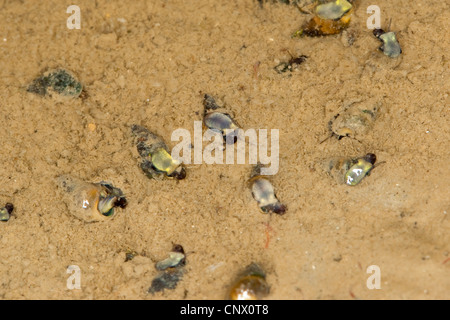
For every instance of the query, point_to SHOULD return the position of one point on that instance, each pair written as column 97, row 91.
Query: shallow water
column 150, row 63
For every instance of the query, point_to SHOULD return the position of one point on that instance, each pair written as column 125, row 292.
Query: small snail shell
column 360, row 169
column 156, row 161
column 264, row 193
column 56, row 82
column 351, row 171
column 90, row 202
column 172, row 270
column 163, row 161
column 216, row 118
column 330, row 18
column 251, row 285
column 333, row 10
column 355, row 119
column 176, row 258
column 220, row 122
column 390, row 46
column 5, row 212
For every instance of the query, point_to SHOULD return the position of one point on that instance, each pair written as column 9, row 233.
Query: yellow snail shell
column 251, row 285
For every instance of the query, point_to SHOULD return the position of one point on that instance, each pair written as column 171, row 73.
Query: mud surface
column 150, row 63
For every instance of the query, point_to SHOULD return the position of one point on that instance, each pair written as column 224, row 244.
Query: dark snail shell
column 56, row 82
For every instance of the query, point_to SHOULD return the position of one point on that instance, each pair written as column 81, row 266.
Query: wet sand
column 150, row 63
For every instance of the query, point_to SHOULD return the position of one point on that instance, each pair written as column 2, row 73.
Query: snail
column 59, row 81
column 360, row 168
column 5, row 212
column 264, row 193
column 390, row 46
column 351, row 171
column 250, row 285
column 172, row 270
column 216, row 118
column 354, row 121
column 176, row 258
column 156, row 161
column 329, row 18
column 90, row 202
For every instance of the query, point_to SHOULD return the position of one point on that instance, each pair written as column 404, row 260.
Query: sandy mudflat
column 149, row 63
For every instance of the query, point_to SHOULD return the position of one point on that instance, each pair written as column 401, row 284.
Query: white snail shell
column 89, row 202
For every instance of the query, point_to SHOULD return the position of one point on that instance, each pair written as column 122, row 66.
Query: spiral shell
column 56, row 82
column 390, row 46
column 176, row 258
column 156, row 161
column 264, row 193
column 329, row 18
column 90, row 202
column 172, row 270
column 355, row 120
column 217, row 118
column 5, row 212
column 360, row 169
column 351, row 171
column 251, row 284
